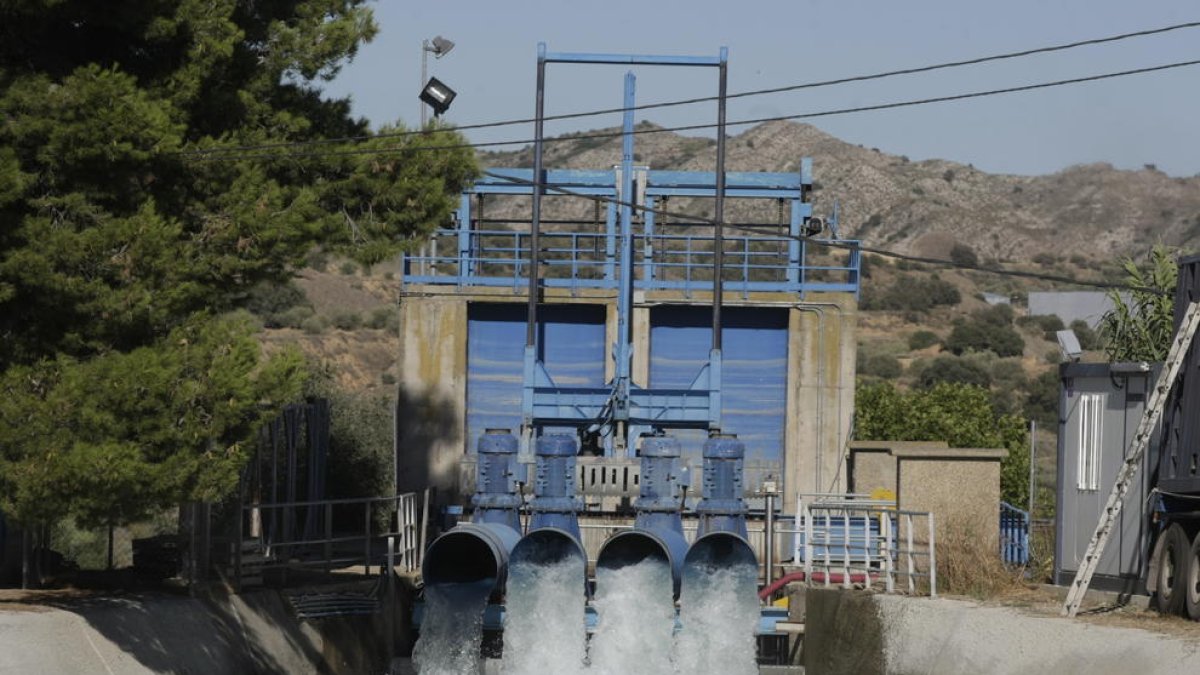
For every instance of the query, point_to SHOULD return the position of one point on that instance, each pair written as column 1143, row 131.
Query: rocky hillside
column 925, row 207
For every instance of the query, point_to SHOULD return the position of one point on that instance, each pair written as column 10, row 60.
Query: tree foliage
column 1141, row 323
column 122, row 251
column 987, row 330
column 959, row 414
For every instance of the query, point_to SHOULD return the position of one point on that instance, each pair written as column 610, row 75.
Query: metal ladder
column 1141, row 440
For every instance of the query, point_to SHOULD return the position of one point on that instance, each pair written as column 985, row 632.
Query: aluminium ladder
column 1141, row 440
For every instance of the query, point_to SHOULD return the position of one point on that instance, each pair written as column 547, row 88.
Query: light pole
column 439, row 47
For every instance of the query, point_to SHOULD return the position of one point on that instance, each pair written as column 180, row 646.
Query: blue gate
column 1014, row 535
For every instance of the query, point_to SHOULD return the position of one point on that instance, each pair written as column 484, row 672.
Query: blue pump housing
column 658, row 528
column 721, row 537
column 479, row 550
column 554, row 522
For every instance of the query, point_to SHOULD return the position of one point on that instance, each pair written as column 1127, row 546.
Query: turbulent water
column 452, row 629
column 544, row 631
column 718, row 615
column 637, row 618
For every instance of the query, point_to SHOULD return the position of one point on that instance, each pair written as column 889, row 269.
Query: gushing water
column 718, row 615
column 452, row 629
column 544, row 632
column 637, row 618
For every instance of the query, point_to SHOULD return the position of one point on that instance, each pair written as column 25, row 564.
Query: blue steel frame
column 621, row 407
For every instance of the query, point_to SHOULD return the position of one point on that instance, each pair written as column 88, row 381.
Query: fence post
column 889, row 579
column 367, row 538
column 932, row 559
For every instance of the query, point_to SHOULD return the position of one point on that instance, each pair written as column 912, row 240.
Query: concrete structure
column 959, row 486
column 1089, row 306
column 1099, row 409
column 819, row 377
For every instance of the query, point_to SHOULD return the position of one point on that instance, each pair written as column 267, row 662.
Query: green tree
column 959, row 414
column 1141, row 323
column 126, row 383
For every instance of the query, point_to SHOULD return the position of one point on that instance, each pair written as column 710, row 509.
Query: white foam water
column 544, row 629
column 636, row 620
column 718, row 615
column 452, row 629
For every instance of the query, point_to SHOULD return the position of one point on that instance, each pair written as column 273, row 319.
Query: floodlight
column 1069, row 344
column 437, row 95
column 440, row 46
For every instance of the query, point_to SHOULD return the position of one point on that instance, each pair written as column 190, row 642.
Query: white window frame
column 1090, row 441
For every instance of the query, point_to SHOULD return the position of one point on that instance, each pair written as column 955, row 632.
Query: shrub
column 347, row 320
column 962, row 254
column 953, row 370
column 1049, row 324
column 383, row 317
column 348, row 268
column 271, row 301
column 1041, row 402
column 313, row 325
column 1088, row 338
column 387, row 378
column 911, row 293
column 294, row 317
column 948, row 175
column 922, row 339
column 880, row 365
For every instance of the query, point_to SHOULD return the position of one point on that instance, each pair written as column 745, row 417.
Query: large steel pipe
column 721, row 537
column 657, row 532
column 554, row 522
column 479, row 551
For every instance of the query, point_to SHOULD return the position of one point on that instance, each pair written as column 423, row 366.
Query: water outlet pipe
column 657, row 532
column 721, row 537
column 479, row 551
column 554, row 522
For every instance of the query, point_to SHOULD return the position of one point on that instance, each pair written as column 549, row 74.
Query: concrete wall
column 853, row 633
column 432, row 388
column 960, row 486
column 139, row 633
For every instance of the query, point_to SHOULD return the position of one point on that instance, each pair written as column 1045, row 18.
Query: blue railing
column 579, row 260
column 1014, row 535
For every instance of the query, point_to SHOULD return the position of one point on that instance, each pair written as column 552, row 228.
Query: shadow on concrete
column 424, row 420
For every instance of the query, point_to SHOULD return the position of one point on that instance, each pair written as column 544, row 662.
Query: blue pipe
column 554, row 523
column 479, row 551
column 657, row 532
column 721, row 538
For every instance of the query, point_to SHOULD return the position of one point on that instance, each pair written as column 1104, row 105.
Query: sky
column 1128, row 122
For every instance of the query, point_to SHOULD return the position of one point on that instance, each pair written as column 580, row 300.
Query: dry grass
column 969, row 565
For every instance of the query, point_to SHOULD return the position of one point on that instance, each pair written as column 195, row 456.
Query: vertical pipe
column 932, row 559
column 719, row 233
column 769, row 553
column 1032, row 468
column 536, row 221
column 625, row 300
column 424, row 68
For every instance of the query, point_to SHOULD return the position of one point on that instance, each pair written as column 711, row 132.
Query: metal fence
column 373, row 531
column 1014, row 535
column 854, row 542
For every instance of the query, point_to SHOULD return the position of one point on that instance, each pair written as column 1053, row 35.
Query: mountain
column 925, row 207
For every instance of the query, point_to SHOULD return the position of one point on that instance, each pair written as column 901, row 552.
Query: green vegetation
column 955, row 370
column 1140, row 327
column 882, row 366
column 922, row 339
column 987, row 330
column 911, row 293
column 960, row 414
column 128, row 383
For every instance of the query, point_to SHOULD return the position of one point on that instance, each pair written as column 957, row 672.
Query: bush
column 271, row 301
column 961, row 254
column 976, row 335
column 880, row 365
column 348, row 268
column 1049, row 324
column 1088, row 338
column 384, row 317
column 387, row 378
column 294, row 317
column 313, row 325
column 922, row 339
column 347, row 320
column 953, row 370
column 910, row 293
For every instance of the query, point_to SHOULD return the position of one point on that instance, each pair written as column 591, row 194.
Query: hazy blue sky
column 1129, row 122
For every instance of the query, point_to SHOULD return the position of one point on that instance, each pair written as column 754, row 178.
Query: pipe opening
column 631, row 548
column 719, row 550
column 460, row 557
column 546, row 547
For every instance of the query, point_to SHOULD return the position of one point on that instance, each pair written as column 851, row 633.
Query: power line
column 705, row 99
column 693, row 127
column 700, row 220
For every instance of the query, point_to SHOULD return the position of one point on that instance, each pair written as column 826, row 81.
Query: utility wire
column 705, row 99
column 693, row 127
column 700, row 220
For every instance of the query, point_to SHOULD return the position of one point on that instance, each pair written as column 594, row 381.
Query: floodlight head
column 440, row 46
column 1069, row 344
column 437, row 95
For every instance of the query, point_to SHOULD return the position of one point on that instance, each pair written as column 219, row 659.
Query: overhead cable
column 705, row 99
